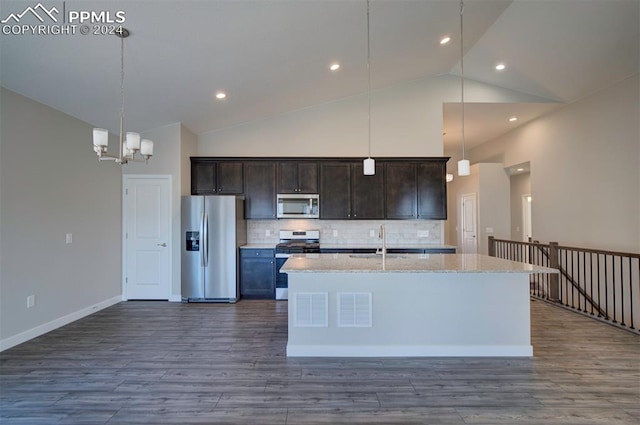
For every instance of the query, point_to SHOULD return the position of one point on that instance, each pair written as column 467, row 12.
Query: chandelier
column 131, row 145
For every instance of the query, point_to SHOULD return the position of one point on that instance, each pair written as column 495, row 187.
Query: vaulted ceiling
column 272, row 56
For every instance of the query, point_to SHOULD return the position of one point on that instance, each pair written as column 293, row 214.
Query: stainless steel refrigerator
column 213, row 229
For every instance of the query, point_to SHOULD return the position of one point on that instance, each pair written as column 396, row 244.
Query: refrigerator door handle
column 205, row 240
column 205, row 243
column 202, row 240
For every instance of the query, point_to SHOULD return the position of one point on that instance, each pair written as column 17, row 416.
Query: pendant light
column 130, row 146
column 463, row 165
column 369, row 164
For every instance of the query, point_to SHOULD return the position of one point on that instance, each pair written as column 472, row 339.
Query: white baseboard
column 175, row 298
column 409, row 351
column 25, row 336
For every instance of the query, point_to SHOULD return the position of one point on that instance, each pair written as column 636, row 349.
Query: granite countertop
column 406, row 263
column 389, row 246
column 258, row 246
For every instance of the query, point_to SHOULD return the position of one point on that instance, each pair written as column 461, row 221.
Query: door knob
column 164, row 245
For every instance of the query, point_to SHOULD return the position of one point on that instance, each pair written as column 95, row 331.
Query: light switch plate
column 267, row 232
column 69, row 238
column 489, row 229
column 31, row 301
column 335, row 233
column 372, row 233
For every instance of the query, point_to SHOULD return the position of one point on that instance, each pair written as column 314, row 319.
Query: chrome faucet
column 383, row 235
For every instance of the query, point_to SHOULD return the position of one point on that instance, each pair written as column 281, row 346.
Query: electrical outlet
column 372, row 233
column 489, row 229
column 423, row 233
column 267, row 232
column 335, row 233
column 69, row 238
column 31, row 301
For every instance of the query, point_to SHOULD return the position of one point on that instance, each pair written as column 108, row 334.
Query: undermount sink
column 376, row 256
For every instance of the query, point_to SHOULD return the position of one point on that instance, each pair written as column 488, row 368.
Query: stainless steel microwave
column 298, row 205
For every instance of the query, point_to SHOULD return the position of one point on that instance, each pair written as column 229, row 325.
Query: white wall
column 406, row 120
column 166, row 160
column 188, row 148
column 520, row 185
column 585, row 166
column 491, row 184
column 52, row 184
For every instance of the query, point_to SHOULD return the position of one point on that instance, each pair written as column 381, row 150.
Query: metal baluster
column 613, row 287
column 599, row 300
column 631, row 286
column 591, row 279
column 606, row 289
column 622, row 292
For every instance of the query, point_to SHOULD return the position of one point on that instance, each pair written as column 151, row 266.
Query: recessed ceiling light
column 445, row 39
column 334, row 66
column 520, row 169
column 221, row 95
column 500, row 67
column 512, row 119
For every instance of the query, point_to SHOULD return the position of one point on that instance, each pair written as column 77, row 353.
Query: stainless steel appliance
column 298, row 205
column 213, row 228
column 293, row 242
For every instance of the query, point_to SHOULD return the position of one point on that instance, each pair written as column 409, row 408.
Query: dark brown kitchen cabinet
column 432, row 191
column 298, row 177
column 401, row 190
column 216, row 178
column 335, row 190
column 367, row 193
column 346, row 193
column 260, row 190
column 257, row 273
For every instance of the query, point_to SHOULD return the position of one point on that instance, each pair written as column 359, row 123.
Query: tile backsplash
column 350, row 232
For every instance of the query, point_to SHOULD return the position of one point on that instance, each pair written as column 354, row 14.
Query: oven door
column 282, row 281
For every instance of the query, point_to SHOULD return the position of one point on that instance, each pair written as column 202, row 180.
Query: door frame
column 126, row 178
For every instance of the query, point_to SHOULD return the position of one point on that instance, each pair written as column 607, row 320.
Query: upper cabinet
column 216, row 177
column 260, row 190
column 335, row 190
column 346, row 193
column 401, row 188
column 367, row 193
column 297, row 177
column 416, row 190
column 432, row 190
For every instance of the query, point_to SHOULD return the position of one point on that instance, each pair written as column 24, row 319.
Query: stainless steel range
column 293, row 242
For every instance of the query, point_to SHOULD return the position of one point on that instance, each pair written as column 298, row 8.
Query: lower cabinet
column 257, row 273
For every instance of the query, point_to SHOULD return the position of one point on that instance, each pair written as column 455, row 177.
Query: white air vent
column 311, row 309
column 354, row 309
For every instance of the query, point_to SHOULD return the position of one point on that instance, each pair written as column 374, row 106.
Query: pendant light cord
column 462, row 70
column 369, row 78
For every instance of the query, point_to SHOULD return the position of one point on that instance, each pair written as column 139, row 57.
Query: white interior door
column 146, row 237
column 469, row 224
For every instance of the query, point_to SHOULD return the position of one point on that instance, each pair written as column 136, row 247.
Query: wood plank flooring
column 171, row 363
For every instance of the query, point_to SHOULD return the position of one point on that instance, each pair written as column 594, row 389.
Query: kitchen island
column 357, row 305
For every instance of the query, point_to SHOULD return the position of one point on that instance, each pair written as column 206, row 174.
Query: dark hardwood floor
column 159, row 362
